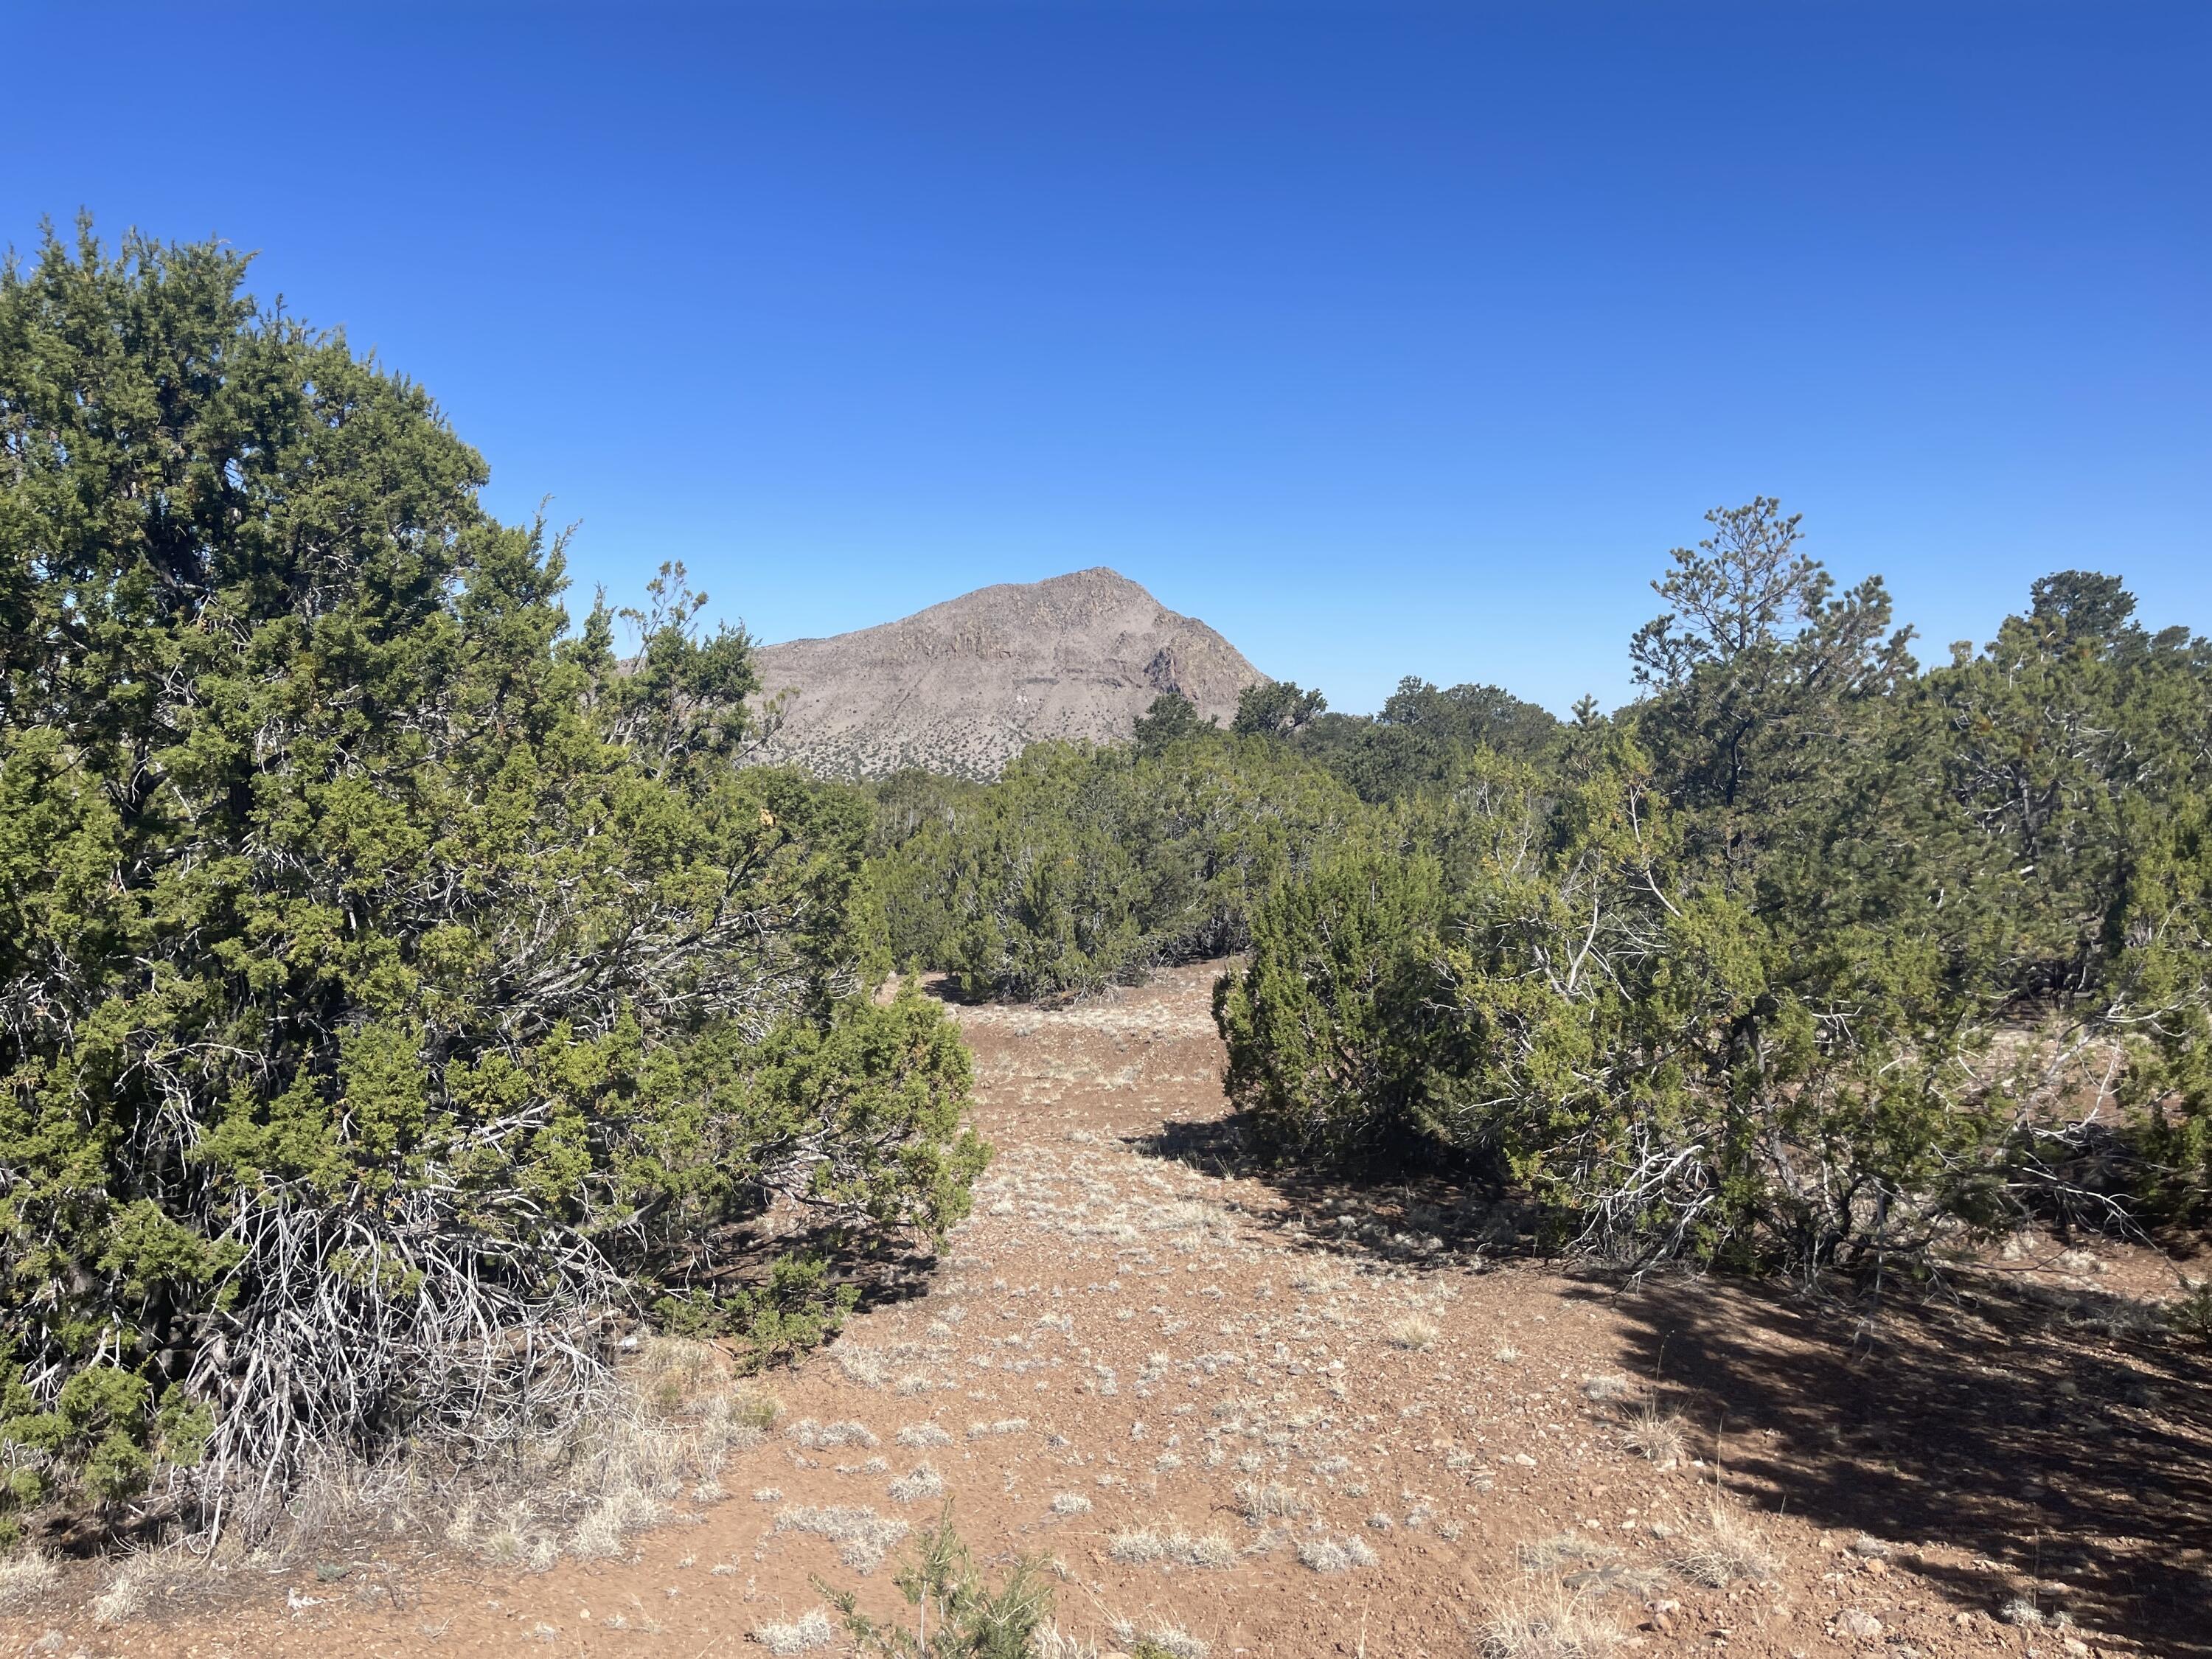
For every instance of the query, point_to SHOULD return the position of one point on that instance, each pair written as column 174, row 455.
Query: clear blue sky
column 1388, row 341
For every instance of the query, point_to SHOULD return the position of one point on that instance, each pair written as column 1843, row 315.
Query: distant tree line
column 1088, row 866
column 1809, row 958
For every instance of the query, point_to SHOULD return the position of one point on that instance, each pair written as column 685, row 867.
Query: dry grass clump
column 1172, row 1639
column 1054, row 1643
column 1657, row 1434
column 818, row 1437
column 1551, row 1622
column 1586, row 1565
column 628, row 1469
column 516, row 1539
column 1413, row 1333
column 2189, row 1313
column 26, row 1576
column 1139, row 1546
column 864, row 1536
column 1565, row 1549
column 139, row 1581
column 670, row 1416
column 754, row 1410
column 1070, row 1503
column 922, row 1482
column 804, row 1634
column 919, row 1435
column 623, row 1508
column 674, row 1376
column 1729, row 1547
column 1262, row 1501
column 864, row 1366
column 1336, row 1554
column 1004, row 1426
column 667, row 1373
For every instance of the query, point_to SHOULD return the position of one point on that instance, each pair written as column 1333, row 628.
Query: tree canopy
column 399, row 983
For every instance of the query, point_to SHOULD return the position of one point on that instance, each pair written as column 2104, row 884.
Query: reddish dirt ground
column 1134, row 1323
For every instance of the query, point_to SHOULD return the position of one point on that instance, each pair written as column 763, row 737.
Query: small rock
column 1857, row 1621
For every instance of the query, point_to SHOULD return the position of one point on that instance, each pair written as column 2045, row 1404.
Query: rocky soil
column 1248, row 1414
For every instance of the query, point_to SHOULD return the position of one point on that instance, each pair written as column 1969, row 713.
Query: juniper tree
column 395, row 985
column 1808, row 959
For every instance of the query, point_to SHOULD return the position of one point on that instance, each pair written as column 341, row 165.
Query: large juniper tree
column 391, row 979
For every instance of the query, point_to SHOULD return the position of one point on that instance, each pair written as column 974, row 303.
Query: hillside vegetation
column 415, row 996
column 1809, row 958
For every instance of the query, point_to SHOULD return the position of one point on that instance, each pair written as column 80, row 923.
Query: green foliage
column 1485, row 717
column 2163, row 979
column 1325, row 1026
column 1084, row 867
column 959, row 1614
column 2189, row 1313
column 1759, row 682
column 2050, row 753
column 797, row 1308
column 1802, row 962
column 1172, row 719
column 903, row 886
column 1273, row 709
column 400, row 979
column 1674, row 1077
column 1041, row 887
column 1425, row 736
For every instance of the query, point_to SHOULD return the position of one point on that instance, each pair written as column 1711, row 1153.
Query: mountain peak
column 965, row 685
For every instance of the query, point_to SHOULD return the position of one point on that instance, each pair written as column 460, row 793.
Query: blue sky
column 1388, row 340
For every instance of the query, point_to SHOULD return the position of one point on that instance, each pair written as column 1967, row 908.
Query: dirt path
column 1257, row 1418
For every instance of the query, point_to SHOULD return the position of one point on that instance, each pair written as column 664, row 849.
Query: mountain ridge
column 964, row 686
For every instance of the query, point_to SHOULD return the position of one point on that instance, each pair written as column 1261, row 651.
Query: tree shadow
column 1422, row 1214
column 2056, row 1443
column 2046, row 1445
column 740, row 1256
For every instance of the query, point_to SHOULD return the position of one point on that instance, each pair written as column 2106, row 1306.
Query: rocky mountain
column 963, row 686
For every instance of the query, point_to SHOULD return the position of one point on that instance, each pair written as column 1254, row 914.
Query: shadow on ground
column 2056, row 1443
column 1446, row 1214
column 2051, row 1436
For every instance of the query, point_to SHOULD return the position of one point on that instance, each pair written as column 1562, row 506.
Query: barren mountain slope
column 963, row 686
